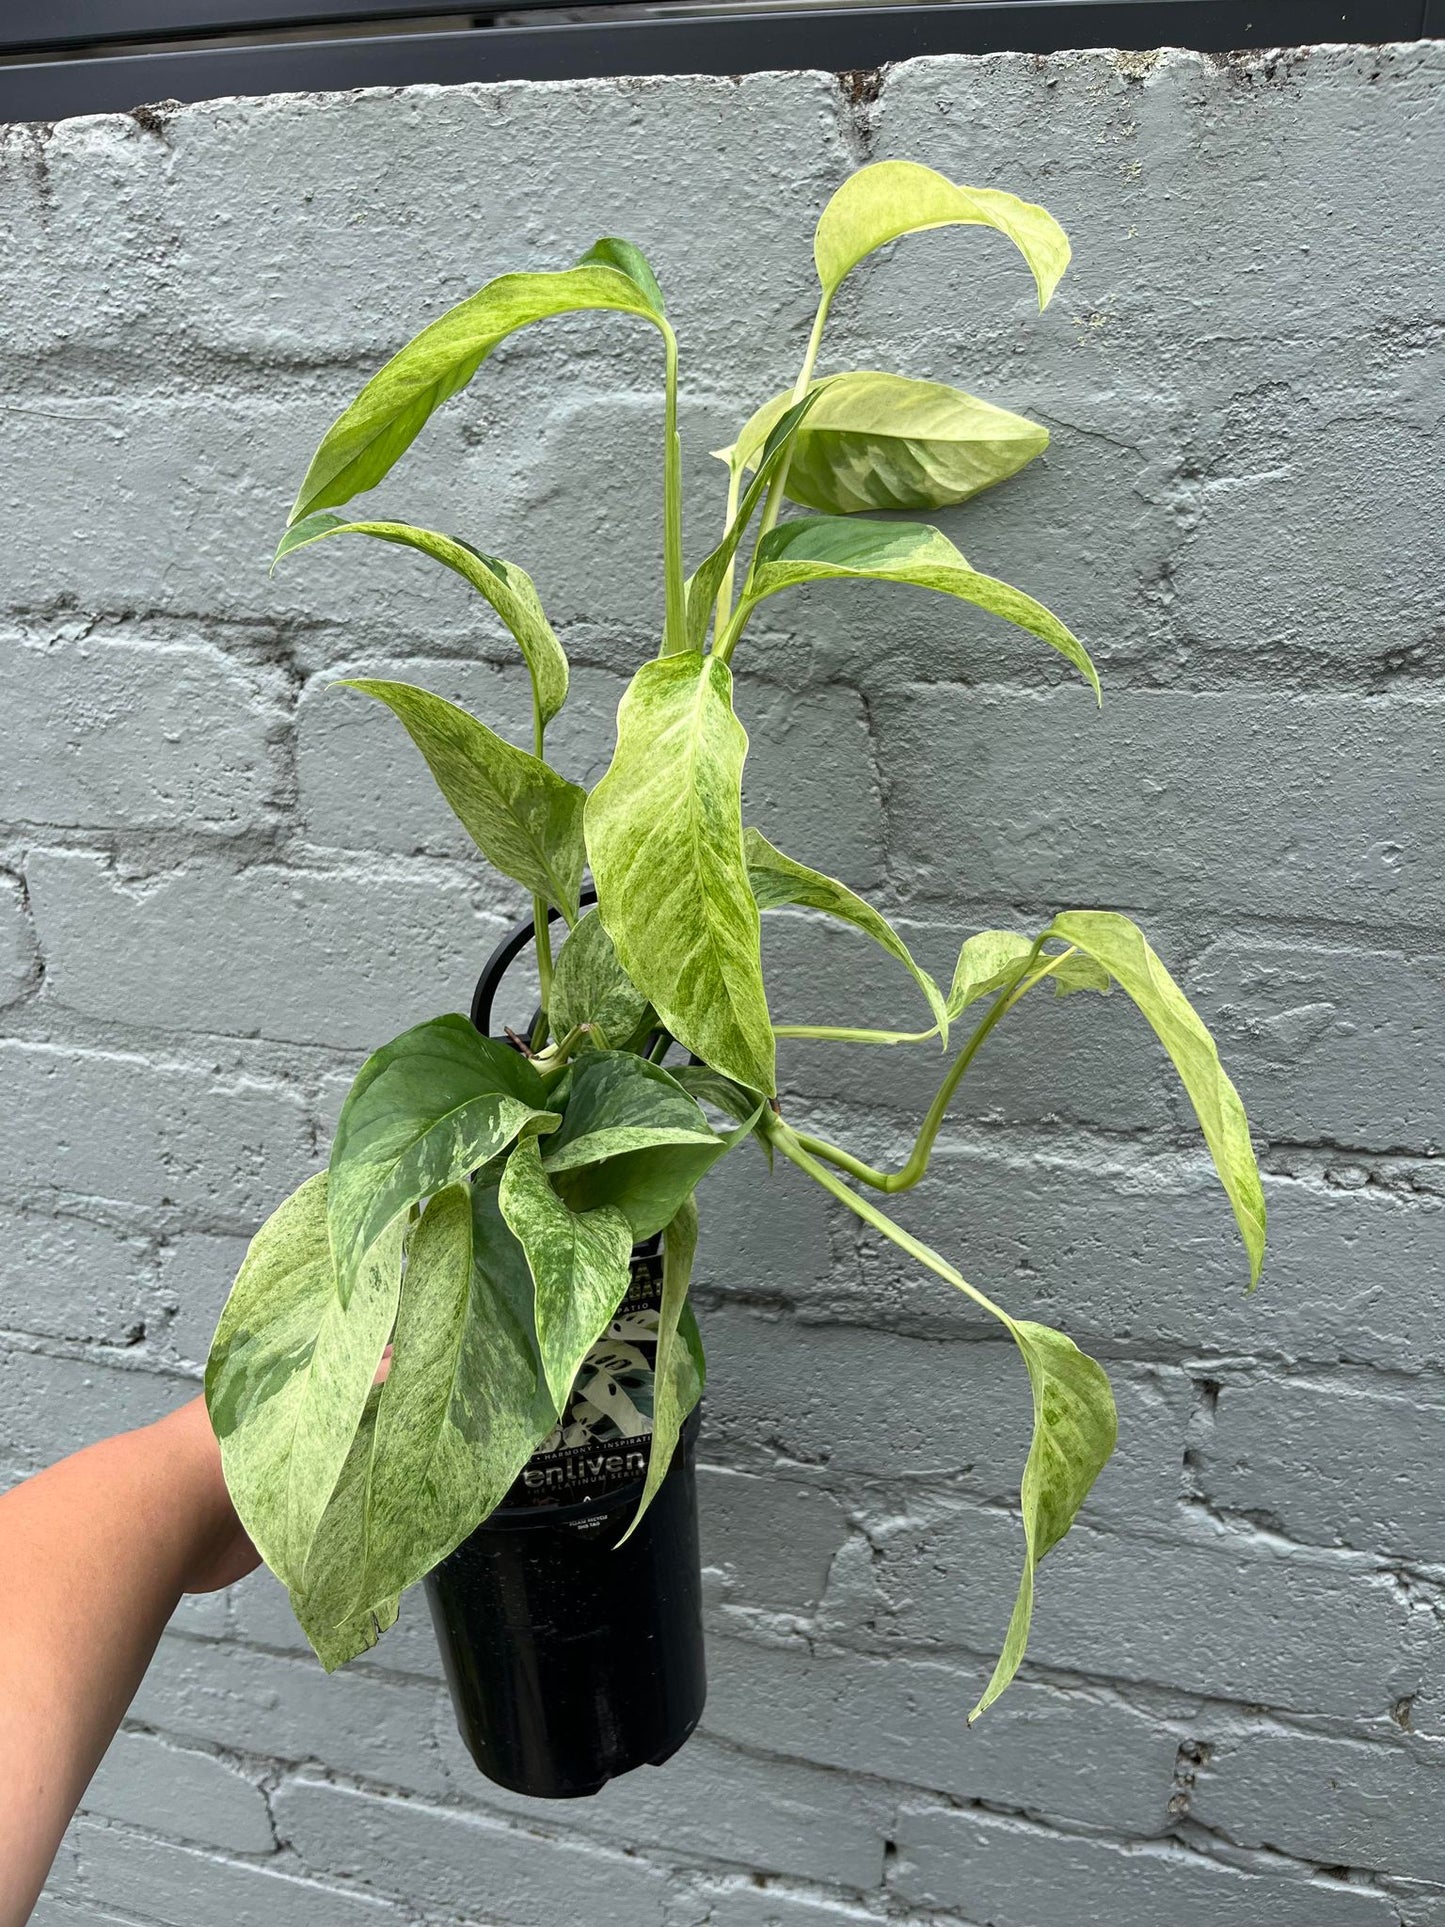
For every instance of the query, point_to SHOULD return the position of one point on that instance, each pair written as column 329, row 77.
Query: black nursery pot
column 572, row 1658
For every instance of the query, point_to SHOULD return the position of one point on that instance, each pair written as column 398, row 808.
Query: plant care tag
column 604, row 1439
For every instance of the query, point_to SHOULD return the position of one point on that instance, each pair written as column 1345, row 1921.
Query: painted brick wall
column 220, row 884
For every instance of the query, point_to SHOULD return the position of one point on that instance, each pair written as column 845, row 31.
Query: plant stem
column 794, row 1147
column 543, row 946
column 917, row 1161
column 725, row 587
column 541, row 927
column 674, row 633
column 726, row 639
column 774, row 503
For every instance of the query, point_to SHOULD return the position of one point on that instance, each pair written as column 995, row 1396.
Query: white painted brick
column 100, row 1124
column 1144, row 1256
column 954, row 1413
column 188, row 1795
column 174, row 1886
column 289, row 1709
column 809, row 780
column 759, row 1904
column 1341, row 1046
column 1083, row 1757
column 1083, row 1059
column 461, row 1860
column 1327, row 1800
column 363, row 785
column 1331, row 795
column 1226, row 1616
column 1013, row 1875
column 1341, row 1465
column 766, row 1541
column 53, row 1406
column 196, row 1275
column 124, row 733
column 367, row 955
column 19, row 954
column 535, row 174
column 261, row 1615
column 712, row 1802
column 63, row 1278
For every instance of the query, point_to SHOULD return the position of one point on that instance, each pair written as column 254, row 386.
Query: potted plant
column 492, row 1207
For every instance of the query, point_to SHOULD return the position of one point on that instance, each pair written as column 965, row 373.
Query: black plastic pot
column 572, row 1658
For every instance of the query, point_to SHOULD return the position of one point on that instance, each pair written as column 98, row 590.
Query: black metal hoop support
column 505, row 955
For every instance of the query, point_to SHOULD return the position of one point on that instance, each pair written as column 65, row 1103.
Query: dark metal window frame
column 93, row 71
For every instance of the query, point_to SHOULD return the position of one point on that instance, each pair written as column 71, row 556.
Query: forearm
column 94, row 1555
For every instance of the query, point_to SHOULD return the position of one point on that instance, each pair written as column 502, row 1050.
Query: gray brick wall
column 219, row 884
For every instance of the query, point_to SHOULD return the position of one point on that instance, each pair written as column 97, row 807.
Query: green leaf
column 391, row 410
column 465, row 1403
column 510, row 590
column 1120, row 946
column 618, row 1103
column 664, row 835
column 425, row 1109
column 891, row 198
column 777, row 880
column 289, row 1372
column 771, row 450
column 589, row 986
column 820, row 548
column 650, row 1185
column 628, row 259
column 522, row 816
column 579, row 1263
column 1075, row 1425
column 677, row 1382
column 324, row 1604
column 986, row 962
column 878, row 441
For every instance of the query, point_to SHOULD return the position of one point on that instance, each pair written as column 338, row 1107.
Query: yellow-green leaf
column 824, row 548
column 1122, row 949
column 665, row 839
column 891, row 198
column 880, row 441
column 381, row 424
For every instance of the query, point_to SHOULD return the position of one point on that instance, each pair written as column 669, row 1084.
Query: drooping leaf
column 324, row 1605
column 290, row 1369
column 380, row 425
column 427, row 1108
column 522, row 816
column 820, row 548
column 578, row 1259
column 891, row 198
column 618, row 1102
column 664, row 836
column 677, row 1384
column 1075, row 1424
column 880, row 441
column 770, row 452
column 1075, row 1427
column 613, row 252
column 465, row 1403
column 1121, row 947
column 589, row 986
column 510, row 590
column 777, row 880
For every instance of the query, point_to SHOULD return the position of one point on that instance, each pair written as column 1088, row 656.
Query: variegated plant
column 481, row 1202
